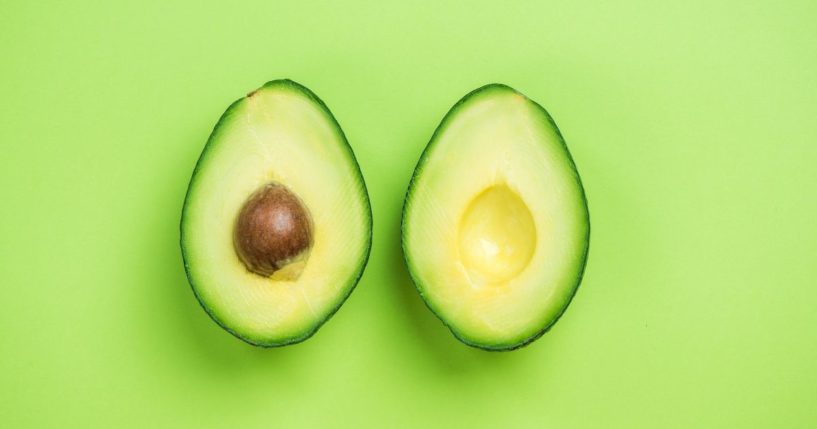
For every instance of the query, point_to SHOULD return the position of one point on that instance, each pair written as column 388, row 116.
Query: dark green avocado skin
column 418, row 169
column 294, row 340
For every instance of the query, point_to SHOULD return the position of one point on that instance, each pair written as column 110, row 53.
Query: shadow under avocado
column 181, row 328
column 435, row 339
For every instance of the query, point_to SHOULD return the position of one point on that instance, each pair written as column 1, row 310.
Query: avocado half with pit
column 276, row 226
column 495, row 222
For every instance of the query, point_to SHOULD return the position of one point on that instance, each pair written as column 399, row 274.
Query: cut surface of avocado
column 276, row 225
column 495, row 222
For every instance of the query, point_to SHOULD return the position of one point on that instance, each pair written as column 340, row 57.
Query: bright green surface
column 693, row 124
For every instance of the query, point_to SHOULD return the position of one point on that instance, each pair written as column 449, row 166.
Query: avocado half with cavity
column 495, row 222
column 276, row 226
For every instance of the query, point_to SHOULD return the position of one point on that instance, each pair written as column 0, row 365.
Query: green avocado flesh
column 278, row 159
column 495, row 222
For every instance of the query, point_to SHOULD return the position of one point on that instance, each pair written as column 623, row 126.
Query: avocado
column 276, row 226
column 496, row 228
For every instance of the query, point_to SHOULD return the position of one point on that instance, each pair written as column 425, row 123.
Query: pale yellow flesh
column 279, row 135
column 496, row 221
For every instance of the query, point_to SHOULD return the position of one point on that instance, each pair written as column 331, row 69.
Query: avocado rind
column 349, row 287
column 515, row 344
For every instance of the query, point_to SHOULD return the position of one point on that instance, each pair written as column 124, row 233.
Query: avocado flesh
column 495, row 222
column 281, row 134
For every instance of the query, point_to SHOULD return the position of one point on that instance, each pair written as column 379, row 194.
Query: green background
column 693, row 124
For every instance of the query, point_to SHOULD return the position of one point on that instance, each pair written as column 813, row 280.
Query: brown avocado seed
column 273, row 229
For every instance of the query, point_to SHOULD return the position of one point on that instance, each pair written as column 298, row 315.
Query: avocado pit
column 273, row 231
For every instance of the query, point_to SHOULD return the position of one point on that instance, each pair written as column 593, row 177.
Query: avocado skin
column 419, row 168
column 247, row 339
